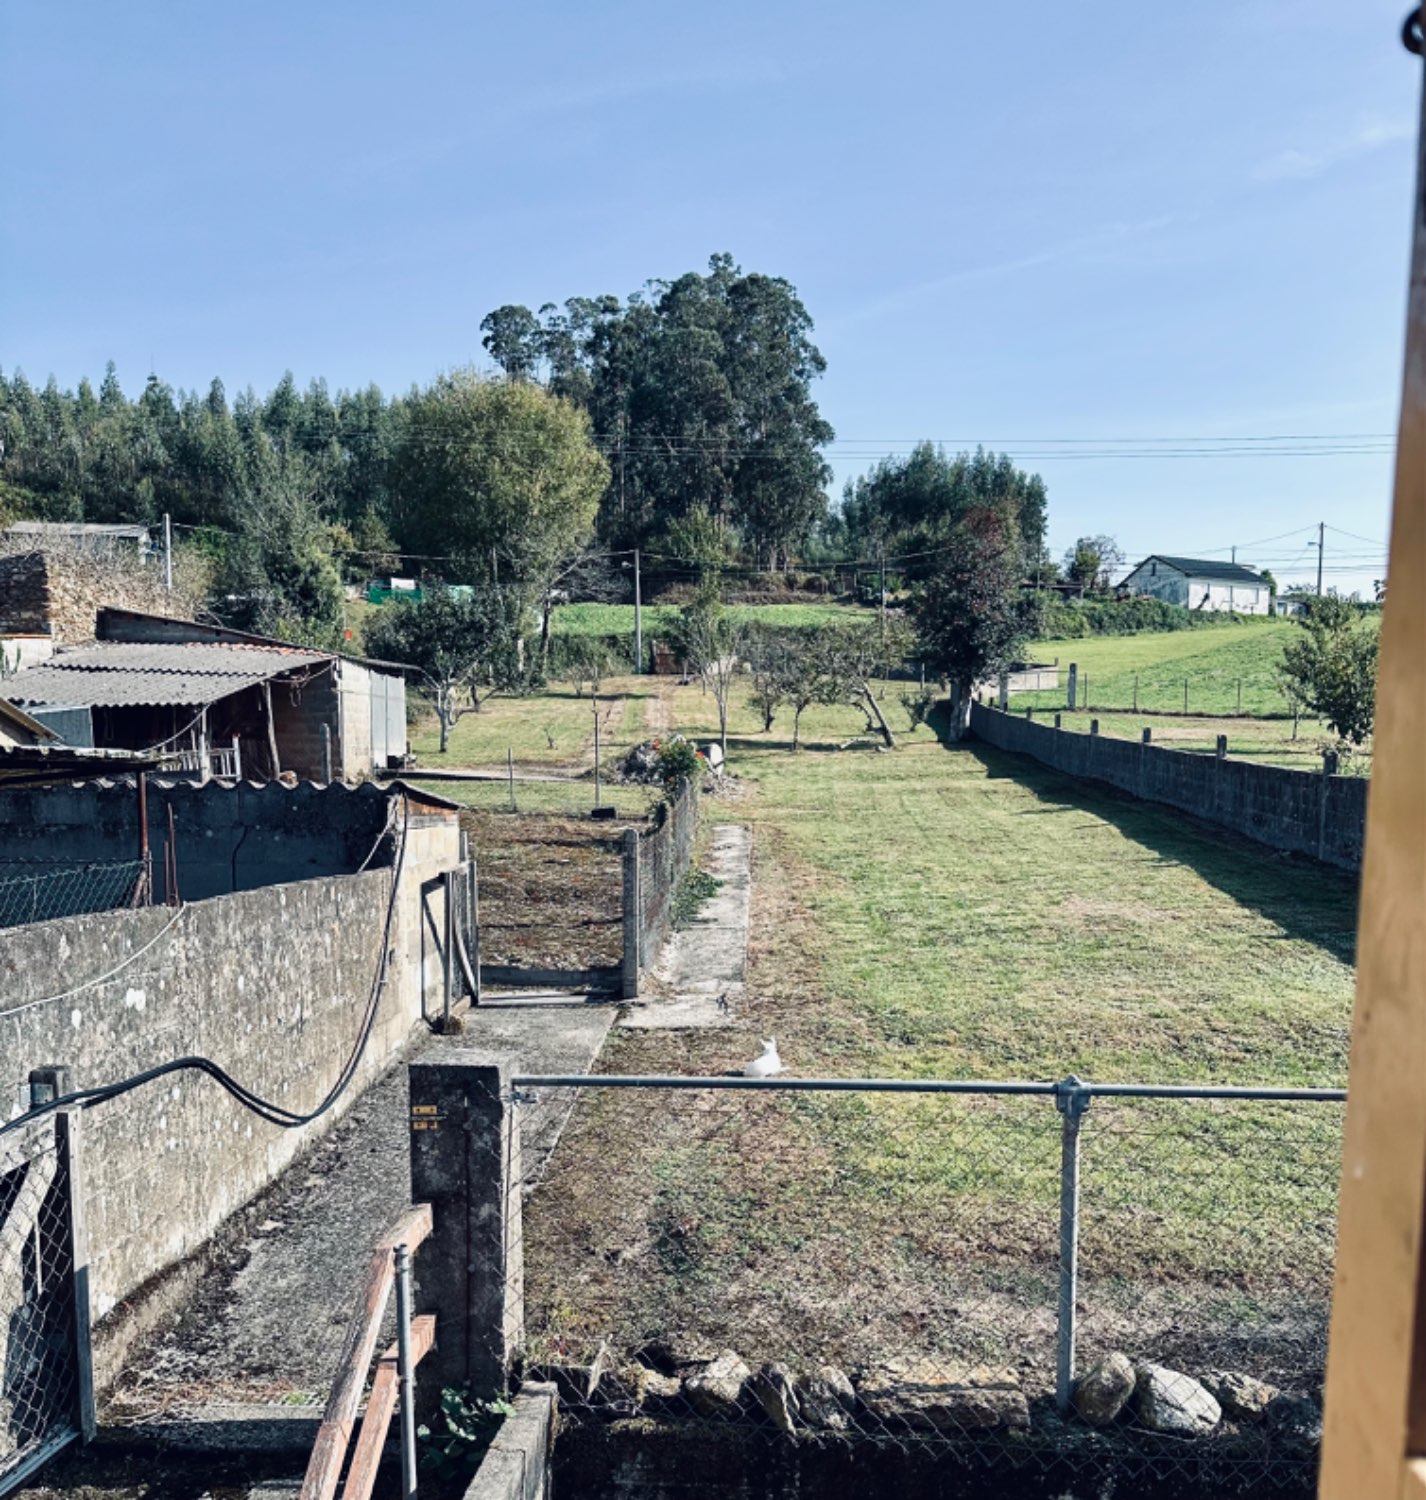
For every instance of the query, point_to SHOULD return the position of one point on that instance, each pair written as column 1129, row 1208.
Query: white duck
column 768, row 1064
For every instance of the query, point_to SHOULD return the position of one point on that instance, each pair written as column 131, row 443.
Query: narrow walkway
column 265, row 1326
column 702, row 968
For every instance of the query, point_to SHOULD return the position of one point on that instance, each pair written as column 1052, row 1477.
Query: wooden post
column 510, row 772
column 1375, row 1428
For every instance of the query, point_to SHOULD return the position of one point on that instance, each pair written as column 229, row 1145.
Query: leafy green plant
column 452, row 1449
column 677, row 761
column 696, row 887
column 918, row 706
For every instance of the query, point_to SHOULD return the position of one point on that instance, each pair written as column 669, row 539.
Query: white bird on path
column 766, row 1065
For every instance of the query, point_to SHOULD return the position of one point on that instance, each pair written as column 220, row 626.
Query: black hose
column 266, row 1109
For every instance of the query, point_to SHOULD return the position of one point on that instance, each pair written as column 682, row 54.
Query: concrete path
column 702, row 968
column 265, row 1325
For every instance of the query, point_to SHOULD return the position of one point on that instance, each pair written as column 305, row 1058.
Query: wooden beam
column 410, row 1229
column 1376, row 1365
column 380, row 1404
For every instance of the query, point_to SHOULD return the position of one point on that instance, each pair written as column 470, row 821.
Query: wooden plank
column 325, row 1466
column 366, row 1456
column 380, row 1405
column 1376, row 1374
column 410, row 1229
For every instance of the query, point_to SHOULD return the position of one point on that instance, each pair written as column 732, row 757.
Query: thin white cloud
column 1084, row 247
column 1295, row 165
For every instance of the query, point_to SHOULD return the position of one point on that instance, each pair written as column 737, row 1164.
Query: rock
column 713, row 755
column 716, row 1389
column 636, row 1387
column 1102, row 1391
column 1170, row 1401
column 1296, row 1424
column 826, row 1399
column 927, row 1394
column 1242, row 1397
column 773, row 1387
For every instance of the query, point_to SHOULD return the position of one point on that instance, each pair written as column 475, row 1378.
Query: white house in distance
column 1196, row 583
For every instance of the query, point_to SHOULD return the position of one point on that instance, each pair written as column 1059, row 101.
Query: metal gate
column 46, row 1385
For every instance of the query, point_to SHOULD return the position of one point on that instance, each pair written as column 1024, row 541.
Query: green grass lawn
column 618, row 619
column 1214, row 661
column 562, row 798
column 550, row 730
column 959, row 913
column 1267, row 741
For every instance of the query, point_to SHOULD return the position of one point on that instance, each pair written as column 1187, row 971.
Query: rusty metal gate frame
column 46, row 1369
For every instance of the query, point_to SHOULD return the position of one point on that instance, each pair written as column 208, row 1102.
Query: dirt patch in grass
column 551, row 889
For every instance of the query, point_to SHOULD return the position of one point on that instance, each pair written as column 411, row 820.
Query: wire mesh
column 886, row 1268
column 38, row 1368
column 42, row 892
column 665, row 853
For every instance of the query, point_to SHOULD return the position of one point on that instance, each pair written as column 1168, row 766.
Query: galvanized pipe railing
column 1072, row 1097
column 393, row 1383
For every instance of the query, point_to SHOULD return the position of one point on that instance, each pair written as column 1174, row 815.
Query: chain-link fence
column 1032, row 1275
column 39, row 892
column 665, row 853
column 39, row 1351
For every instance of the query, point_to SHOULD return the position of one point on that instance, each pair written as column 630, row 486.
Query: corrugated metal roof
column 112, row 675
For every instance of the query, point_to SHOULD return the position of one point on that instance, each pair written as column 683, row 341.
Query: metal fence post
column 405, row 1371
column 1072, row 1100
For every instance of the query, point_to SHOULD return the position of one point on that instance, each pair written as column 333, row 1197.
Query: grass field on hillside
column 1213, row 661
column 618, row 619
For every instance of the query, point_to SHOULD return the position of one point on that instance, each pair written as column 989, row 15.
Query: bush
column 678, row 761
column 1071, row 619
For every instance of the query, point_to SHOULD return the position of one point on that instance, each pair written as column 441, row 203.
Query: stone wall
column 1299, row 812
column 60, row 591
column 271, row 984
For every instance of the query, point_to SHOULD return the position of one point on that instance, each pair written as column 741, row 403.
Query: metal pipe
column 926, row 1086
column 406, row 1372
column 1072, row 1100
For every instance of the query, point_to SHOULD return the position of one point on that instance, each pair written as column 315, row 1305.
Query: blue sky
column 1091, row 222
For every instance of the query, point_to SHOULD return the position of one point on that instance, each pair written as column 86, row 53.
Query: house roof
column 1206, row 568
column 116, row 624
column 48, row 765
column 113, row 674
column 120, row 533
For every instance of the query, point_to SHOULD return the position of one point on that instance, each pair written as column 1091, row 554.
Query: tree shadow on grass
column 1308, row 900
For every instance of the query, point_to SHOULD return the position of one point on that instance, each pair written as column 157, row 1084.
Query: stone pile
column 1169, row 1401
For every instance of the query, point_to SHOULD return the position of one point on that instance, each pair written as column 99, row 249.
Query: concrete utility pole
column 167, row 553
column 638, row 619
column 1321, row 543
column 883, row 598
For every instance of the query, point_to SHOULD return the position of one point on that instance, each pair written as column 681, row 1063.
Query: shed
column 221, row 702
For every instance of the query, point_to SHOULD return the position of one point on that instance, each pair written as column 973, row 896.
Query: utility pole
column 167, row 553
column 883, row 598
column 1235, row 555
column 638, row 619
column 1321, row 541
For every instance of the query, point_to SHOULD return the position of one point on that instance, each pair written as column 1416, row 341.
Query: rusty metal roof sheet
column 110, row 675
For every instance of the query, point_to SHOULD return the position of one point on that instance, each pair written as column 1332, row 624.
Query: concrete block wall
column 228, row 837
column 271, row 984
column 1300, row 812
